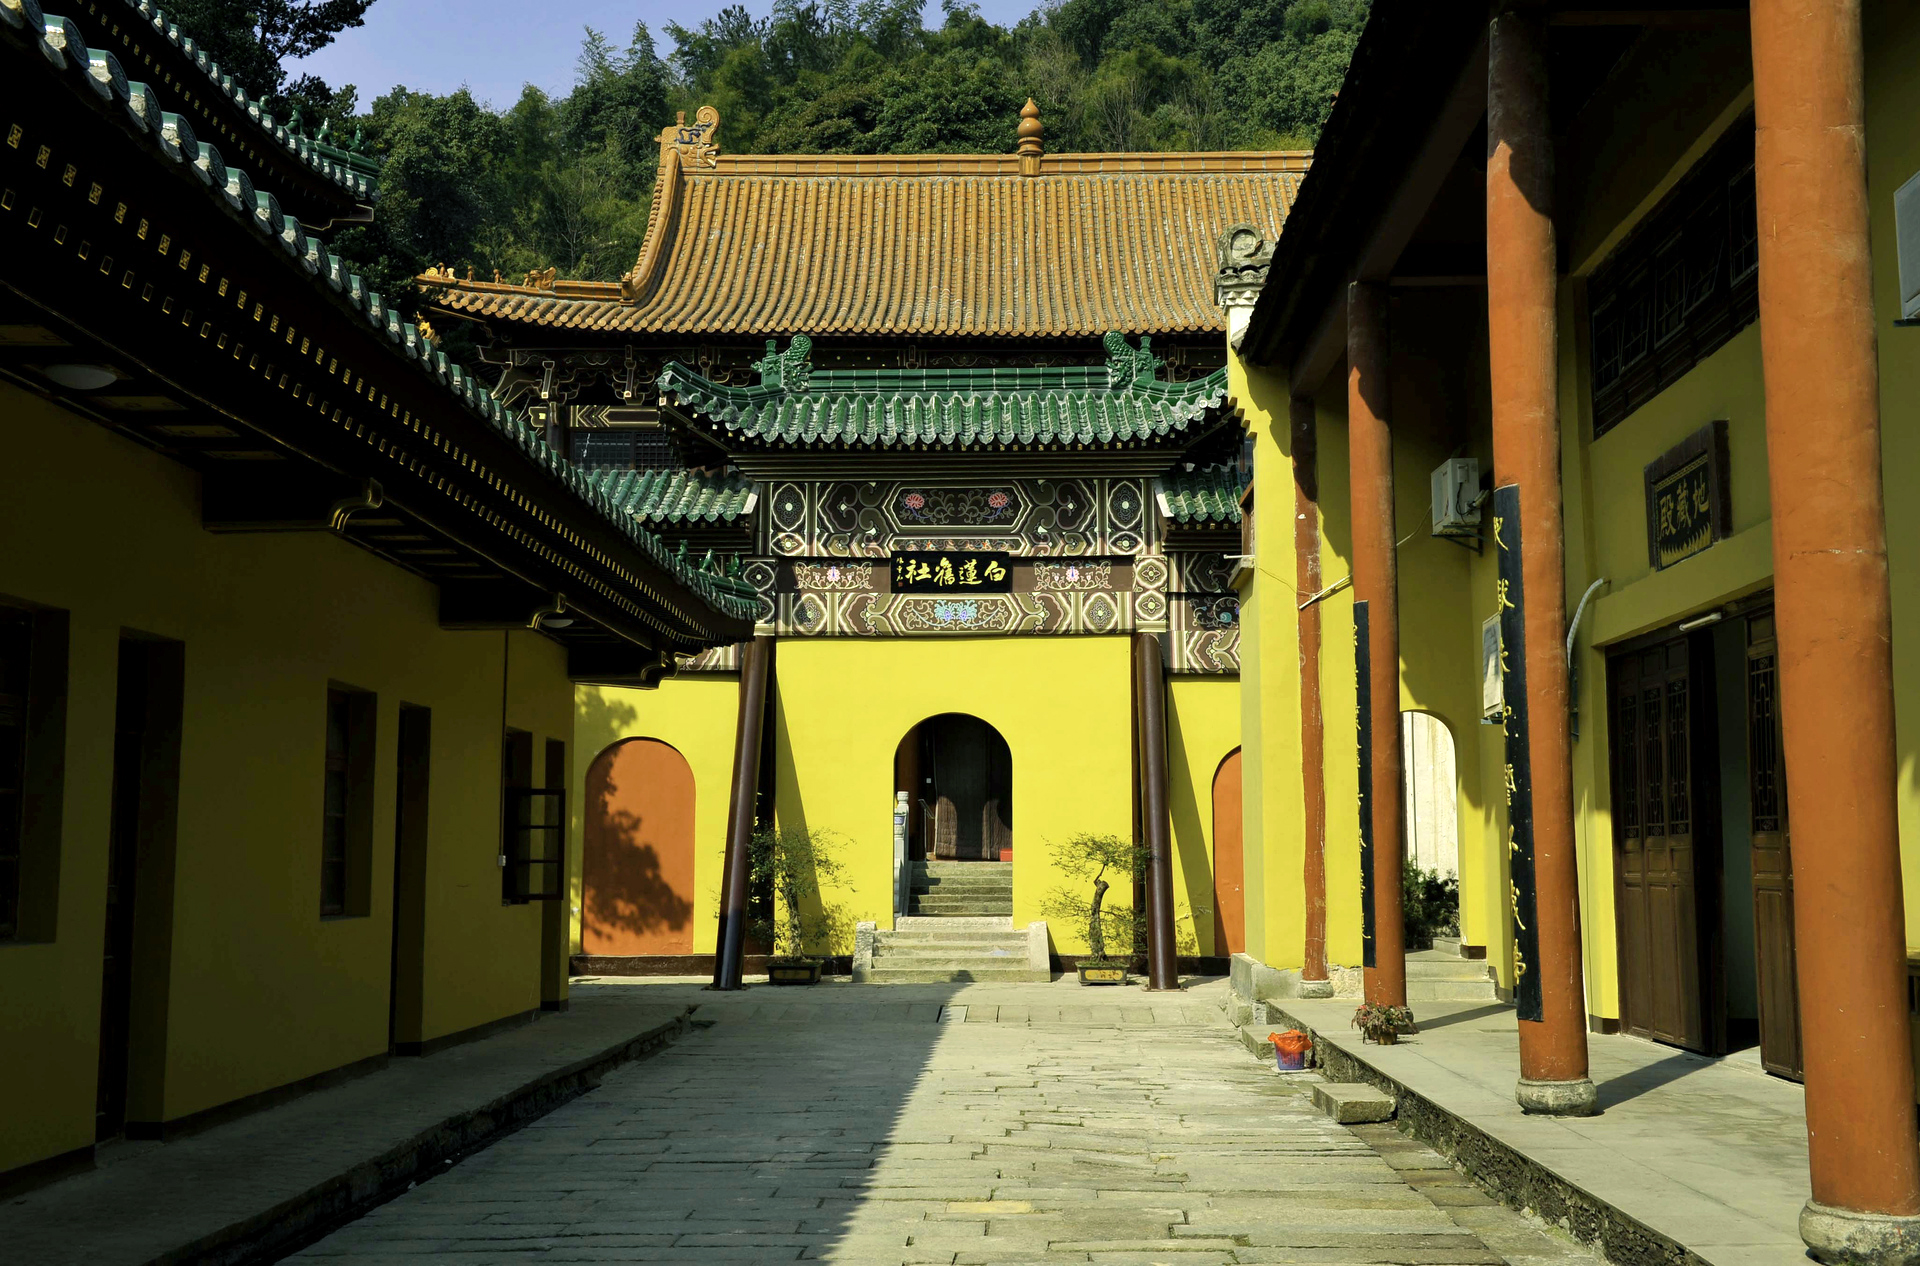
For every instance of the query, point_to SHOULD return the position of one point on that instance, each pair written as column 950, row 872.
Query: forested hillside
column 565, row 181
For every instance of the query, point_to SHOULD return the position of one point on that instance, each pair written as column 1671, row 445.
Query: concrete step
column 943, row 926
column 1353, row 1103
column 1457, row 969
column 917, row 975
column 943, row 888
column 1451, row 991
column 965, row 905
column 944, row 936
column 942, row 955
column 947, row 868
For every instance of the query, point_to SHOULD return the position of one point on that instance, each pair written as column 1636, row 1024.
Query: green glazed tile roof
column 676, row 496
column 1123, row 401
column 1210, row 494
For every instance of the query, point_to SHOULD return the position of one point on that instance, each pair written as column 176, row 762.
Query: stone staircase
column 960, row 929
column 1441, row 975
column 962, row 889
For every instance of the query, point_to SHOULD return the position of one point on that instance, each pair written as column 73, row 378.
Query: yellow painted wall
column 263, row 990
column 1270, row 682
column 696, row 715
column 1203, row 727
column 1063, row 705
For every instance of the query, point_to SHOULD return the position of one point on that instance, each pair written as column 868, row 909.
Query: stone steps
column 921, row 975
column 961, row 889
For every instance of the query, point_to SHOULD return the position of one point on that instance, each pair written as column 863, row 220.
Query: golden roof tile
column 920, row 245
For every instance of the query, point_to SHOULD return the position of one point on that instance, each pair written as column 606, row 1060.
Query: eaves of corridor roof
column 319, row 366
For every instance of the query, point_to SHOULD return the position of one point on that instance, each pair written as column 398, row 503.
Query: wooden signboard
column 1688, row 507
column 953, row 571
column 1523, row 899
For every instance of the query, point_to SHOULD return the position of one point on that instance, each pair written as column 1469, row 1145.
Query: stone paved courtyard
column 956, row 1124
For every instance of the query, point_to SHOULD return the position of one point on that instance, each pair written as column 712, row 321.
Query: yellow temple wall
column 1270, row 681
column 258, row 990
column 696, row 715
column 1063, row 705
column 1203, row 729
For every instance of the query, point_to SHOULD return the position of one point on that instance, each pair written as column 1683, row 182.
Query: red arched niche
column 637, row 863
column 1229, row 860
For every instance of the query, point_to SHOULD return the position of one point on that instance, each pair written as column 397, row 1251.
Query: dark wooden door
column 1772, row 856
column 123, row 860
column 1656, row 802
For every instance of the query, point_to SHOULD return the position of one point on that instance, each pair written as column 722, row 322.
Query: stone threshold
column 255, row 1189
column 1692, row 1162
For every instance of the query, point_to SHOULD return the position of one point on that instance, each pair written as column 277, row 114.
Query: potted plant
column 791, row 863
column 1430, row 905
column 1382, row 1024
column 1089, row 857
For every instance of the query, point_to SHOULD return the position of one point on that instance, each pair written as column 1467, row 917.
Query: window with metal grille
column 532, row 827
column 16, row 648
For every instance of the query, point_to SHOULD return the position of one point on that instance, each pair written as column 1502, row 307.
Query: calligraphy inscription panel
column 953, row 571
column 1688, row 508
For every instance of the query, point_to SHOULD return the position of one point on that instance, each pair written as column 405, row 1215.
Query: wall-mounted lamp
column 554, row 617
column 81, row 377
column 1702, row 621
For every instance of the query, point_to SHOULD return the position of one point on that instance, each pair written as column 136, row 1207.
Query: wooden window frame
column 34, row 709
column 346, row 832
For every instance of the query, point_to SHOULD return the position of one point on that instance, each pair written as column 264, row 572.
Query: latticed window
column 16, row 642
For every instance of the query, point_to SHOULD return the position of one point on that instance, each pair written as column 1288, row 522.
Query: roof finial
column 1029, row 133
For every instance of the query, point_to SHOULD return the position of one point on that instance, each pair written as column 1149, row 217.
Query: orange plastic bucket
column 1291, row 1050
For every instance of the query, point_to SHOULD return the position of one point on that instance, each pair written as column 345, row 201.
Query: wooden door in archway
column 637, row 864
column 1229, row 861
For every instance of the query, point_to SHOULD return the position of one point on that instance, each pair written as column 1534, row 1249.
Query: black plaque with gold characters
column 1363, row 699
column 953, row 571
column 1688, row 507
column 1522, row 899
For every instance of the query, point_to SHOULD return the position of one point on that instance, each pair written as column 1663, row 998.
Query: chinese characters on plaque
column 1522, row 900
column 952, row 571
column 1688, row 507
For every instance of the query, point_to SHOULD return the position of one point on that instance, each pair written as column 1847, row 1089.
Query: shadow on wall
column 637, row 861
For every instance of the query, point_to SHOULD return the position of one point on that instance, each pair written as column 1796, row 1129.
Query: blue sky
column 495, row 46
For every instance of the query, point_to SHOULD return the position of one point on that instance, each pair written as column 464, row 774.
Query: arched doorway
column 1430, row 803
column 1229, row 861
column 958, row 775
column 637, row 859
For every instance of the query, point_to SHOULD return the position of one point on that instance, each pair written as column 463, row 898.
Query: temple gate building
column 962, row 421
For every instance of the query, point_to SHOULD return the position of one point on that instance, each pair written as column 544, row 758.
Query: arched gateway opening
column 958, row 775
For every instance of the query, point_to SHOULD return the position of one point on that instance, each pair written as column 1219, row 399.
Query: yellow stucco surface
column 1203, row 727
column 694, row 714
column 260, row 990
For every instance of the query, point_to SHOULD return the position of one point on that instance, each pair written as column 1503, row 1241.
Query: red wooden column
column 1376, row 582
column 730, row 952
column 1314, row 982
column 1522, row 330
column 1820, row 365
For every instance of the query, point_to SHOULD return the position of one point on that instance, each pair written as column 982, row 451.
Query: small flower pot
column 807, row 973
column 1103, row 974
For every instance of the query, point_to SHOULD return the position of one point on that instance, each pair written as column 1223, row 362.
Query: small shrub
column 793, row 863
column 1090, row 857
column 1430, row 905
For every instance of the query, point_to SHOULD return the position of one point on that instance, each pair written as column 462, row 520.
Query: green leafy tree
column 251, row 38
column 794, row 864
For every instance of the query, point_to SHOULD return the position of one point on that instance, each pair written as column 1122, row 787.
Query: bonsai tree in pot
column 792, row 864
column 1092, row 858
